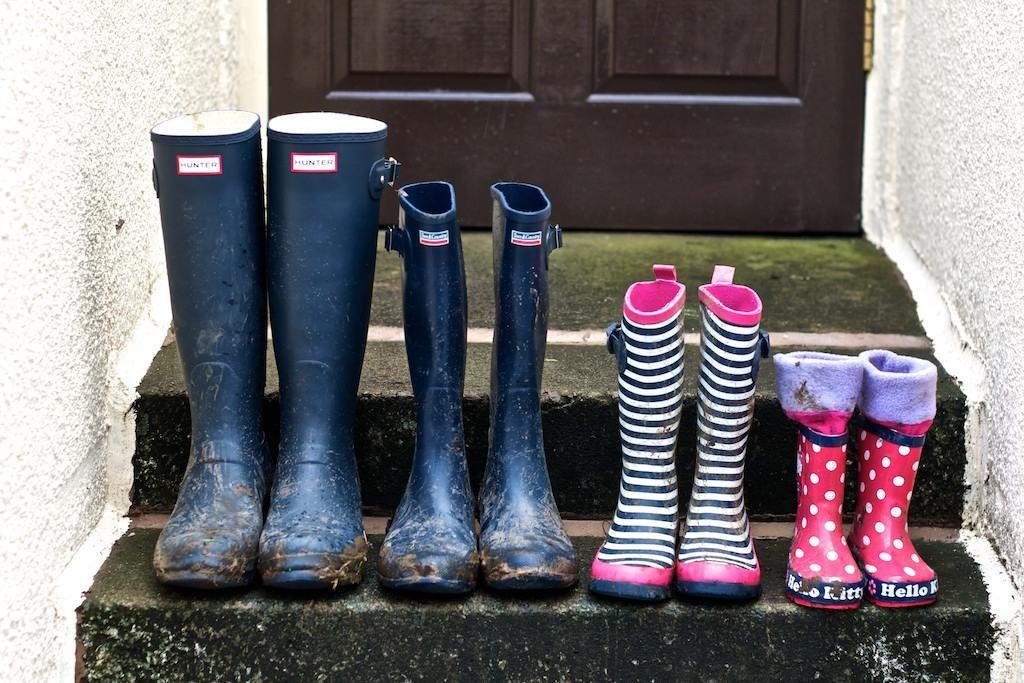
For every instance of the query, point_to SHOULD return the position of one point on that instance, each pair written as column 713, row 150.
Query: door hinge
column 869, row 34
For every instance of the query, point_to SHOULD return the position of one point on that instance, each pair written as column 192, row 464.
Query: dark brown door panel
column 740, row 115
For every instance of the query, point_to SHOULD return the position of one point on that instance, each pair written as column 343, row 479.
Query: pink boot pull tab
column 664, row 272
column 723, row 275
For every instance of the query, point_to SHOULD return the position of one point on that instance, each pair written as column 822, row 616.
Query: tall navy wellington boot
column 326, row 172
column 523, row 544
column 207, row 171
column 431, row 545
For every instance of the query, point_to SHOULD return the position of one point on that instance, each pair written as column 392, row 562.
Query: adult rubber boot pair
column 431, row 543
column 207, row 172
column 326, row 172
column 715, row 557
column 896, row 397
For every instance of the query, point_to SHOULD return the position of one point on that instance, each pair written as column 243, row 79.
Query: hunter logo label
column 433, row 239
column 526, row 239
column 199, row 165
column 318, row 162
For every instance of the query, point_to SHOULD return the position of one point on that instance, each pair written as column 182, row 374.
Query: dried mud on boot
column 332, row 571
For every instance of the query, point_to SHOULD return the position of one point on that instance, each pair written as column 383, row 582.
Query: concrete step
column 837, row 294
column 131, row 628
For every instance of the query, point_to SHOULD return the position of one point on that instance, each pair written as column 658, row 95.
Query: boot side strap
column 616, row 345
column 383, row 173
column 395, row 240
column 553, row 238
column 764, row 349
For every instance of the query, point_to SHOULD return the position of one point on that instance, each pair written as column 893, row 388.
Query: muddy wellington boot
column 716, row 553
column 430, row 546
column 819, row 392
column 636, row 560
column 523, row 544
column 207, row 171
column 326, row 172
column 897, row 404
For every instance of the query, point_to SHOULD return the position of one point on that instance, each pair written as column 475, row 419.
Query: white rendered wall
column 82, row 292
column 944, row 196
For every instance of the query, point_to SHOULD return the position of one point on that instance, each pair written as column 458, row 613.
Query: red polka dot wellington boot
column 898, row 405
column 819, row 392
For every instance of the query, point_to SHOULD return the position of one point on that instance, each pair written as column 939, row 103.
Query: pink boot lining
column 734, row 304
column 652, row 302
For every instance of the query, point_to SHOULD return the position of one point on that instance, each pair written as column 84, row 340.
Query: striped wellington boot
column 716, row 554
column 819, row 392
column 897, row 403
column 636, row 559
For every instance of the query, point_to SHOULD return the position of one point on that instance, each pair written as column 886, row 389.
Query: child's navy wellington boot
column 326, row 172
column 523, row 544
column 430, row 546
column 207, row 171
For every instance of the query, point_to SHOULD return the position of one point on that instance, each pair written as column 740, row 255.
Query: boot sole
column 309, row 572
column 804, row 601
column 534, row 582
column 629, row 591
column 207, row 579
column 899, row 605
column 308, row 580
column 812, row 592
column 428, row 586
column 718, row 591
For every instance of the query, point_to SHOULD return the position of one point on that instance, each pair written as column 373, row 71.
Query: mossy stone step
column 580, row 433
column 132, row 628
column 807, row 284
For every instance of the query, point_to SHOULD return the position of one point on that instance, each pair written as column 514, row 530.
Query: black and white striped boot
column 637, row 558
column 716, row 554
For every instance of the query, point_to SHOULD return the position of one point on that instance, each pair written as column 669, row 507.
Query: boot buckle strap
column 383, row 173
column 394, row 240
column 616, row 345
column 553, row 239
column 764, row 349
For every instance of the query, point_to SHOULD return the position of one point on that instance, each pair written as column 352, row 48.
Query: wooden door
column 698, row 115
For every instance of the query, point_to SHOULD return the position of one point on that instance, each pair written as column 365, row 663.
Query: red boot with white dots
column 898, row 405
column 819, row 392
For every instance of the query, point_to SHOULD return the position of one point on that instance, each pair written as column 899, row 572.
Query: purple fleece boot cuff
column 818, row 390
column 899, row 391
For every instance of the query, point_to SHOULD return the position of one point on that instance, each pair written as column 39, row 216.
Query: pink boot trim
column 733, row 304
column 657, row 301
column 829, row 422
column 709, row 571
column 624, row 573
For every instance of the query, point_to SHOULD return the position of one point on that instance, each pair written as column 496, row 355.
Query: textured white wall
column 944, row 195
column 82, row 292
